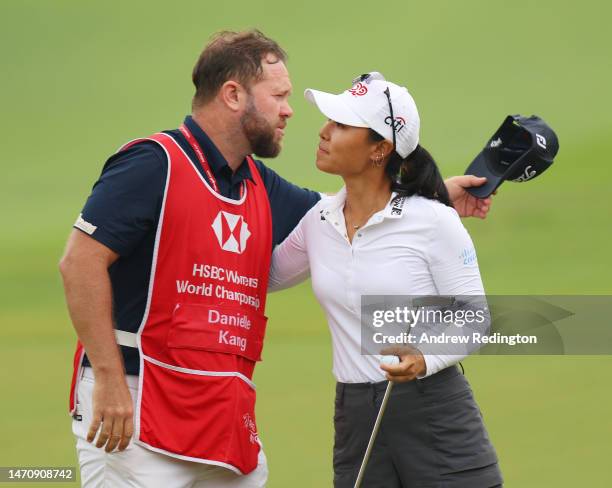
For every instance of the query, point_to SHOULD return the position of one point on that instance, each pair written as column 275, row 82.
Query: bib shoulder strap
column 173, row 151
column 161, row 138
column 255, row 171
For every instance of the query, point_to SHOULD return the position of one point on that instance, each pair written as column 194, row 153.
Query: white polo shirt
column 414, row 246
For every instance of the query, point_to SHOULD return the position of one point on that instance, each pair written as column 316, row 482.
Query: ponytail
column 417, row 174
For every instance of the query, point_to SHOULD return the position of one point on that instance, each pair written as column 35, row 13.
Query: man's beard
column 259, row 133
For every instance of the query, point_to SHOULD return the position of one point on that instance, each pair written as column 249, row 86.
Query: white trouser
column 142, row 468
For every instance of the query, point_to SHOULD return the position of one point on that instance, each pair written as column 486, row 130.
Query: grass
column 81, row 78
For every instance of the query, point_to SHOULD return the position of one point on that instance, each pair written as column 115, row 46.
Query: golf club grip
column 375, row 429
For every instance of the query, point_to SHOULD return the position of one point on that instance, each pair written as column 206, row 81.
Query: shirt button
column 335, row 223
column 359, row 235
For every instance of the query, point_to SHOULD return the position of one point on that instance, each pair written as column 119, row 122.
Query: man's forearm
column 464, row 203
column 84, row 269
column 89, row 299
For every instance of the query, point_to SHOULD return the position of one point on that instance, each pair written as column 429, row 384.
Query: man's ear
column 233, row 95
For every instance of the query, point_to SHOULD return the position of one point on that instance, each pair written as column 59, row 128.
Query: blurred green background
column 81, row 77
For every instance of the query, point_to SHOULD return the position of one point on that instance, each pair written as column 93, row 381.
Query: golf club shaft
column 375, row 429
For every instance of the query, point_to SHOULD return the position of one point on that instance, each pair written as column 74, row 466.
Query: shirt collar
column 334, row 202
column 393, row 210
column 218, row 164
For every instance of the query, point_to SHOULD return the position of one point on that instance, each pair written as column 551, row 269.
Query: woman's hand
column 411, row 365
column 466, row 204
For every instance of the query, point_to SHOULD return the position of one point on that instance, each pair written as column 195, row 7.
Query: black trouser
column 431, row 435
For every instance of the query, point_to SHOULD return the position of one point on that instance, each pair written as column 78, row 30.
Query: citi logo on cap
column 398, row 124
column 231, row 231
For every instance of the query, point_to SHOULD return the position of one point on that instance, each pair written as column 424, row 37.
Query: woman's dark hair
column 417, row 174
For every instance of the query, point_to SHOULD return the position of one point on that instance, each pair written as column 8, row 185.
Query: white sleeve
column 452, row 257
column 290, row 264
column 454, row 268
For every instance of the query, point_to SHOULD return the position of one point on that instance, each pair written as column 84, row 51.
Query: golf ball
column 391, row 360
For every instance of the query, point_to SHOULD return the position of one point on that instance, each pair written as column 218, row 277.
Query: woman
column 390, row 231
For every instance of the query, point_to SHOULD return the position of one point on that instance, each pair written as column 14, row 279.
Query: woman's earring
column 378, row 161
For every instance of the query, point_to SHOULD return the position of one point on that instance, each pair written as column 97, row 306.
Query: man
column 169, row 259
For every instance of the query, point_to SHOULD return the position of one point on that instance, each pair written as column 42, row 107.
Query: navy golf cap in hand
column 521, row 149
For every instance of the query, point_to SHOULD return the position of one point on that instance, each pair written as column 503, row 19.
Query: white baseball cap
column 366, row 104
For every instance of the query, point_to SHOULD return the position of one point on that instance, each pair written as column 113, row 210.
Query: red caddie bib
column 204, row 323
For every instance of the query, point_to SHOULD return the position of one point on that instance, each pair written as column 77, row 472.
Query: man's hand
column 84, row 269
column 411, row 365
column 466, row 204
column 113, row 410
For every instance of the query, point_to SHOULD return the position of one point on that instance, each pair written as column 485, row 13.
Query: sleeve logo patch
column 85, row 226
column 468, row 255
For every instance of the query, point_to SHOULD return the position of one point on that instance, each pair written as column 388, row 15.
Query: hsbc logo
column 232, row 232
column 398, row 124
